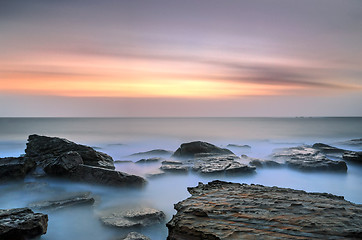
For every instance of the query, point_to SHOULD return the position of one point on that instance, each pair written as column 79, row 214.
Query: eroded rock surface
column 22, row 223
column 65, row 200
column 149, row 160
column 327, row 148
column 220, row 164
column 221, row 210
column 44, row 149
column 197, row 147
column 124, row 217
column 135, row 236
column 12, row 168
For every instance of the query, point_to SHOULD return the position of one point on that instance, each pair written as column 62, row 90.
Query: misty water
column 121, row 137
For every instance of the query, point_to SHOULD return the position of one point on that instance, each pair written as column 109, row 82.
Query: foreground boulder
column 22, row 223
column 198, row 147
column 307, row 158
column 43, row 150
column 65, row 200
column 131, row 217
column 221, row 210
column 15, row 168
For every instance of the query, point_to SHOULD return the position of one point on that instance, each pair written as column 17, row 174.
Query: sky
column 162, row 58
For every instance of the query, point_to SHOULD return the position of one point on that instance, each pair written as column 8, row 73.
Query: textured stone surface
column 43, row 149
column 155, row 153
column 123, row 217
column 135, row 236
column 308, row 159
column 21, row 223
column 327, row 148
column 220, row 210
column 353, row 156
column 65, row 200
column 220, row 164
column 197, row 147
column 15, row 168
column 149, row 160
column 63, row 164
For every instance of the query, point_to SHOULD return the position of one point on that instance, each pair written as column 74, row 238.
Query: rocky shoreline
column 218, row 210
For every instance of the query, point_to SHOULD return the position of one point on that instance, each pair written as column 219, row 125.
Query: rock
column 155, row 152
column 149, row 160
column 15, row 168
column 353, row 156
column 238, row 146
column 174, row 168
column 97, row 175
column 171, row 162
column 324, row 148
column 307, row 158
column 135, row 236
column 123, row 161
column 63, row 164
column 221, row 164
column 123, row 217
column 65, row 200
column 193, row 148
column 264, row 163
column 154, row 174
column 353, row 142
column 43, row 150
column 221, row 210
column 21, row 224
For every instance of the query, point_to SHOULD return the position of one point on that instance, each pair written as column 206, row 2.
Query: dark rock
column 324, row 148
column 353, row 156
column 104, row 176
column 65, row 200
column 63, row 164
column 15, row 168
column 171, row 162
column 193, row 148
column 135, row 236
column 155, row 152
column 353, row 142
column 123, row 161
column 174, row 168
column 264, row 163
column 221, row 164
column 309, row 159
column 21, row 224
column 238, row 146
column 221, row 210
column 149, row 160
column 131, row 217
column 45, row 149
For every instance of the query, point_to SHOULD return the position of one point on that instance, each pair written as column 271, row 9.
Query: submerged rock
column 353, row 156
column 123, row 217
column 135, row 236
column 149, row 160
column 174, row 168
column 43, row 150
column 238, row 146
column 354, row 142
column 327, row 149
column 65, row 200
column 221, row 164
column 309, row 159
column 22, row 223
column 221, row 210
column 155, row 152
column 12, row 168
column 197, row 147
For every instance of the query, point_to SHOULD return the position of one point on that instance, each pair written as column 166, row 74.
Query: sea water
column 121, row 137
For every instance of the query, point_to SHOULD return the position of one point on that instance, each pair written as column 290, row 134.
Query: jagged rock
column 123, row 217
column 63, row 164
column 197, row 147
column 104, row 176
column 221, row 210
column 309, row 159
column 220, row 164
column 21, row 224
column 15, row 168
column 65, row 200
column 45, row 149
column 238, row 146
column 135, row 236
column 353, row 156
column 155, row 152
column 324, row 148
column 149, row 160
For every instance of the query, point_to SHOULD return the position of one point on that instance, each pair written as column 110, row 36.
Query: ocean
column 121, row 137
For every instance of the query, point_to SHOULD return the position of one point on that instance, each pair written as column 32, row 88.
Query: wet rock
column 307, row 158
column 123, row 161
column 135, row 236
column 22, row 223
column 97, row 175
column 264, row 163
column 171, row 162
column 155, row 152
column 63, row 164
column 149, row 160
column 15, row 168
column 324, row 148
column 353, row 156
column 221, row 210
column 239, row 146
column 65, row 200
column 220, row 164
column 43, row 150
column 174, row 168
column 124, row 217
column 197, row 147
column 155, row 174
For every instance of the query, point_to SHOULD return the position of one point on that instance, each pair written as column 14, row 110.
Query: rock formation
column 220, row 210
column 65, row 200
column 197, row 147
column 12, row 168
